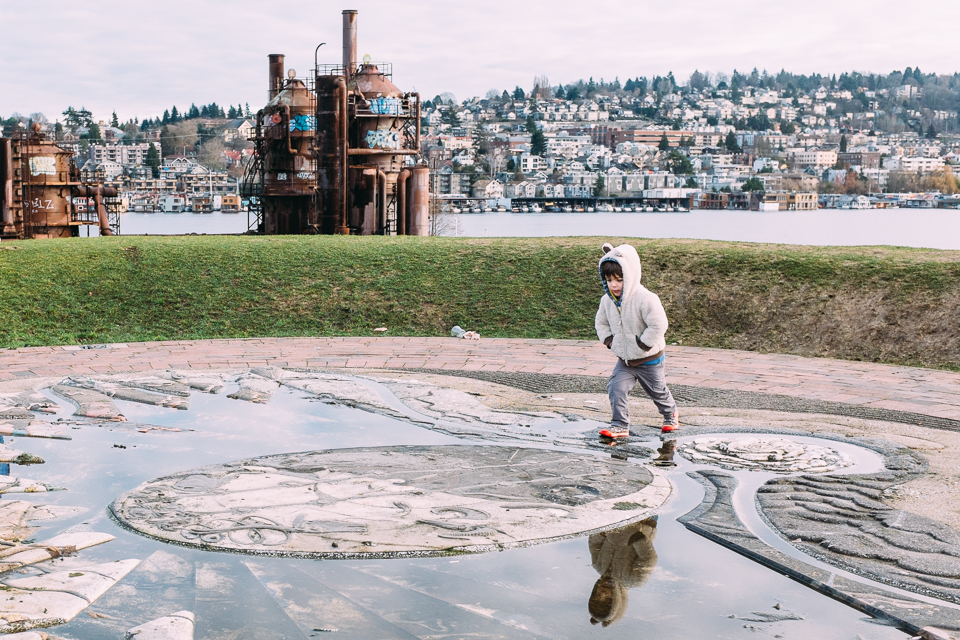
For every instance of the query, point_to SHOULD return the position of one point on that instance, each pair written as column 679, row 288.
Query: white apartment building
column 566, row 145
column 532, row 164
column 913, row 164
column 801, row 158
column 123, row 154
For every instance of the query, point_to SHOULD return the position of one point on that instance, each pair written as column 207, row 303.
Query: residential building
column 123, row 154
column 862, row 159
column 649, row 137
column 801, row 158
column 913, row 164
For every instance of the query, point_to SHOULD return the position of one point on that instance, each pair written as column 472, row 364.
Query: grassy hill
column 874, row 303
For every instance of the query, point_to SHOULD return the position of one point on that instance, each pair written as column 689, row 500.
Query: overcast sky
column 140, row 58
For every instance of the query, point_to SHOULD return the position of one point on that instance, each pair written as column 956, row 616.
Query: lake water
column 929, row 228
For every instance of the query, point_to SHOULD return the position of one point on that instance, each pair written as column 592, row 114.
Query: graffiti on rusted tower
column 337, row 153
column 42, row 195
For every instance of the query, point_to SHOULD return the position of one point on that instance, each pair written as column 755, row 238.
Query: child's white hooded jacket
column 637, row 314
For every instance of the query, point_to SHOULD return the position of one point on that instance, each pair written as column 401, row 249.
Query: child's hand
column 642, row 346
column 608, row 341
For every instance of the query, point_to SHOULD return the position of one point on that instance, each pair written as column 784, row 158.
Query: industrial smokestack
column 276, row 74
column 349, row 43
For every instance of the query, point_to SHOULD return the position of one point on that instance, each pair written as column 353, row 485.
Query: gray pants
column 624, row 378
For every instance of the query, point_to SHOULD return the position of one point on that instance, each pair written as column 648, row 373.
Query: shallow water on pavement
column 693, row 589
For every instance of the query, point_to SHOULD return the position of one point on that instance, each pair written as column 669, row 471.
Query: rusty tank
column 42, row 195
column 338, row 153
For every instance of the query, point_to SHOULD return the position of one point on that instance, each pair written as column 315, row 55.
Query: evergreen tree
column 451, row 117
column 753, row 184
column 94, row 131
column 679, row 164
column 538, row 143
column 599, row 185
column 246, row 112
column 174, row 115
column 931, row 132
column 114, row 122
column 518, row 94
column 730, row 143
column 843, row 143
column 232, row 113
column 664, row 143
column 192, row 113
column 153, row 160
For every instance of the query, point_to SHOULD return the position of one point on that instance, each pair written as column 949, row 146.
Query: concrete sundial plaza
column 436, row 487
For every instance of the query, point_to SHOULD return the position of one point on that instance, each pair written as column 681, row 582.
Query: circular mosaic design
column 775, row 454
column 391, row 500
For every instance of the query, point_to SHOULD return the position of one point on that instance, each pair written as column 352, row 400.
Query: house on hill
column 485, row 188
column 238, row 129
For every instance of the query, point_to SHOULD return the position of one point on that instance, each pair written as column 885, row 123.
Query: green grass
column 876, row 303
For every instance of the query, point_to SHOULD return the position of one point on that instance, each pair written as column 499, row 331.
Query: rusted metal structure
column 337, row 153
column 42, row 195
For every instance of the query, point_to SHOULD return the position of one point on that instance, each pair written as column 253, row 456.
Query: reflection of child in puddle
column 624, row 558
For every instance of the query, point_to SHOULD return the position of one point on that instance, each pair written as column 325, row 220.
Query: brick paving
column 922, row 391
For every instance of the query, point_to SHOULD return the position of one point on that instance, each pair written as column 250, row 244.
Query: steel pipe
column 105, row 229
column 286, row 124
column 382, row 186
column 402, row 201
column 342, row 227
column 383, row 152
column 6, row 170
column 349, row 43
column 420, row 207
column 276, row 74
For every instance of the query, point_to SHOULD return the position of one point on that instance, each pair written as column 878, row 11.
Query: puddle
column 687, row 588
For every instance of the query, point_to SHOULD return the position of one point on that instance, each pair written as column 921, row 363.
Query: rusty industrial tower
column 337, row 153
column 42, row 194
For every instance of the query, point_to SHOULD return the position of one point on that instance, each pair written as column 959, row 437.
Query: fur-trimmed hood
column 629, row 260
column 637, row 318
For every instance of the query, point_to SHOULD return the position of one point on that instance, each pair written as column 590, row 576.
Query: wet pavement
column 651, row 576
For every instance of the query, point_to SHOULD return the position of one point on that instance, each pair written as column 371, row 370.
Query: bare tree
column 541, row 88
column 211, row 154
column 179, row 137
column 496, row 158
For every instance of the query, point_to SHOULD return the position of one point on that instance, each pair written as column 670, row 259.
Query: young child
column 631, row 321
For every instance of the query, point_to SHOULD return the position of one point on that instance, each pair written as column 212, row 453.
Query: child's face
column 615, row 284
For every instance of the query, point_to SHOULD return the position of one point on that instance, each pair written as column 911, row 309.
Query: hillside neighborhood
column 713, row 142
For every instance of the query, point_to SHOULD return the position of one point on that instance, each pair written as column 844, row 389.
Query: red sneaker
column 671, row 422
column 614, row 433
